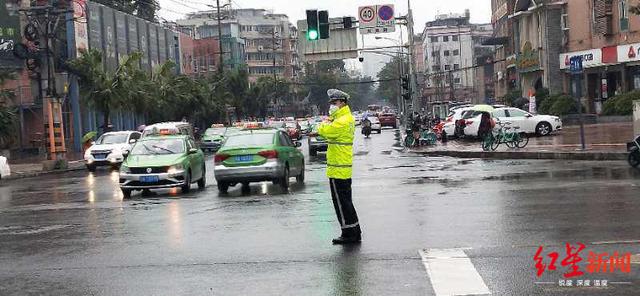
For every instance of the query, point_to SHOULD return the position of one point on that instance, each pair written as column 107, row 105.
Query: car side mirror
column 132, row 141
column 298, row 144
column 125, row 153
column 193, row 150
column 93, row 142
column 528, row 115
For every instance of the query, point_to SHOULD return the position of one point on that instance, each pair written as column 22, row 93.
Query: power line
column 346, row 83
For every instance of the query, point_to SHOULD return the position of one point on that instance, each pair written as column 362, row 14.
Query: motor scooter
column 634, row 152
column 366, row 130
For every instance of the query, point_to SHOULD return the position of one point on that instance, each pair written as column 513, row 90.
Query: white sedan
column 540, row 125
column 5, row 171
column 526, row 122
column 450, row 123
column 375, row 124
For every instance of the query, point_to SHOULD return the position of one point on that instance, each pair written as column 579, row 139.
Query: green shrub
column 621, row 104
column 562, row 105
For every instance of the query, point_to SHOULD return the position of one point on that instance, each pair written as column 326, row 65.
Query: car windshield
column 112, row 139
column 277, row 124
column 470, row 114
column 373, row 119
column 249, row 140
column 159, row 146
column 290, row 124
column 215, row 131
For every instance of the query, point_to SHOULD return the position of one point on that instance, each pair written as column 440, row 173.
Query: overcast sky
column 423, row 11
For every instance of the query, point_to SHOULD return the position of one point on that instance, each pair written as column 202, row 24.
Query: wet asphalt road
column 73, row 234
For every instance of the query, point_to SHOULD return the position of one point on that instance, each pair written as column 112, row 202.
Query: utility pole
column 412, row 66
column 275, row 77
column 221, row 62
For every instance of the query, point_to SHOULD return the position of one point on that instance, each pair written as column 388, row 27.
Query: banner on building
column 80, row 25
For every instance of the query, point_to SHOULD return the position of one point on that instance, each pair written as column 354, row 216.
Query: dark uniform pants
column 341, row 195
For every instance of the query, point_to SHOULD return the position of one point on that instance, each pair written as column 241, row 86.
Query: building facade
column 504, row 58
column 258, row 36
column 537, row 40
column 605, row 34
column 450, row 45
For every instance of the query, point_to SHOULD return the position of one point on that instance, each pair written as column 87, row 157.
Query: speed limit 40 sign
column 367, row 16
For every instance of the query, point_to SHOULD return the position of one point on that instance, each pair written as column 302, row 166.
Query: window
column 445, row 38
column 456, row 66
column 285, row 140
column 456, row 52
column 435, row 53
column 624, row 15
column 499, row 113
column 434, row 39
column 516, row 113
column 446, row 53
column 447, row 67
column 435, row 68
column 456, row 80
column 454, row 38
column 135, row 136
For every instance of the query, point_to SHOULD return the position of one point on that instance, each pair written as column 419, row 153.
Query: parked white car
column 375, row 124
column 5, row 171
column 450, row 123
column 108, row 149
column 540, row 125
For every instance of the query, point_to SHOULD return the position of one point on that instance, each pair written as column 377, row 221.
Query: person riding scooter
column 366, row 127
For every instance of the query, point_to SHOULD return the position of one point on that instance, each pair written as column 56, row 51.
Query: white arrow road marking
column 452, row 273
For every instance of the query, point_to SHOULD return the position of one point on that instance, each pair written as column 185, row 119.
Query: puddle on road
column 593, row 173
column 394, row 167
column 446, row 182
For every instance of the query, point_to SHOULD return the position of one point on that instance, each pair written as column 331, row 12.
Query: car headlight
column 87, row 153
column 174, row 169
column 125, row 169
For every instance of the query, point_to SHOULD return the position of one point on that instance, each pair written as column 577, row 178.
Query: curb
column 599, row 156
column 15, row 176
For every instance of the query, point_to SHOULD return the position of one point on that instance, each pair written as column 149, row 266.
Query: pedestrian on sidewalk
column 339, row 132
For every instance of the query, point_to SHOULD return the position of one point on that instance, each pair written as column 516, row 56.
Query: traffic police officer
column 339, row 133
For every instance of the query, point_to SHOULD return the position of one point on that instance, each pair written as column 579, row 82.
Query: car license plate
column 244, row 158
column 99, row 156
column 149, row 179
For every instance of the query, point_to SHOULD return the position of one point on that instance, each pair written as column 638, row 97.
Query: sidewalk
column 32, row 167
column 603, row 142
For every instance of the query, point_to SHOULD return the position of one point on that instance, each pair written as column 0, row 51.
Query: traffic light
column 323, row 22
column 406, row 93
column 348, row 22
column 312, row 25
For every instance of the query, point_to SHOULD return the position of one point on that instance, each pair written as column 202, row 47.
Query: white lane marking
column 616, row 242
column 452, row 273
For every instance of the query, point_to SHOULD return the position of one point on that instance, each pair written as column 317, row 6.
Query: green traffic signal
column 312, row 35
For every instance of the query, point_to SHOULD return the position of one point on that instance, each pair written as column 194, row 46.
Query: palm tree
column 8, row 116
column 105, row 90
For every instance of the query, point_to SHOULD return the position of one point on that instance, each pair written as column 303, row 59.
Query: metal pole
column 221, row 64
column 275, row 78
column 578, row 86
column 402, row 105
column 412, row 76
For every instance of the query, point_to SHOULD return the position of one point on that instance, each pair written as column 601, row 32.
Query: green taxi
column 163, row 162
column 257, row 155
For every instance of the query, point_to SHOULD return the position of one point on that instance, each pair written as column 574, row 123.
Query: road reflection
column 347, row 277
column 175, row 224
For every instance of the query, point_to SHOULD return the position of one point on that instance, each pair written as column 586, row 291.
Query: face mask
column 333, row 109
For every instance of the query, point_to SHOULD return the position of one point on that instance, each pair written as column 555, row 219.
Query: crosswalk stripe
column 451, row 272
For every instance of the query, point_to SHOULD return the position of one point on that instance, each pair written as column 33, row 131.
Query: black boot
column 345, row 240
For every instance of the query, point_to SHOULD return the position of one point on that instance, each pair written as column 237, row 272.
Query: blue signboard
column 576, row 64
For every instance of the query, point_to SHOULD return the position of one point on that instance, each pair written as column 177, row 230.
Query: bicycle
column 511, row 139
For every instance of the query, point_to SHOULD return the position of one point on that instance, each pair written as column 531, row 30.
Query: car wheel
column 284, row 182
column 223, row 187
column 126, row 193
column 300, row 177
column 202, row 183
column 543, row 129
column 187, row 183
column 379, row 131
column 313, row 152
column 634, row 159
column 91, row 168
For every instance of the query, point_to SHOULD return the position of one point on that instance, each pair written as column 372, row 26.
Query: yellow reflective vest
column 339, row 134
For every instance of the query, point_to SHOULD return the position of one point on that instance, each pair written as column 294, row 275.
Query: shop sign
column 590, row 58
column 629, row 52
column 529, row 59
